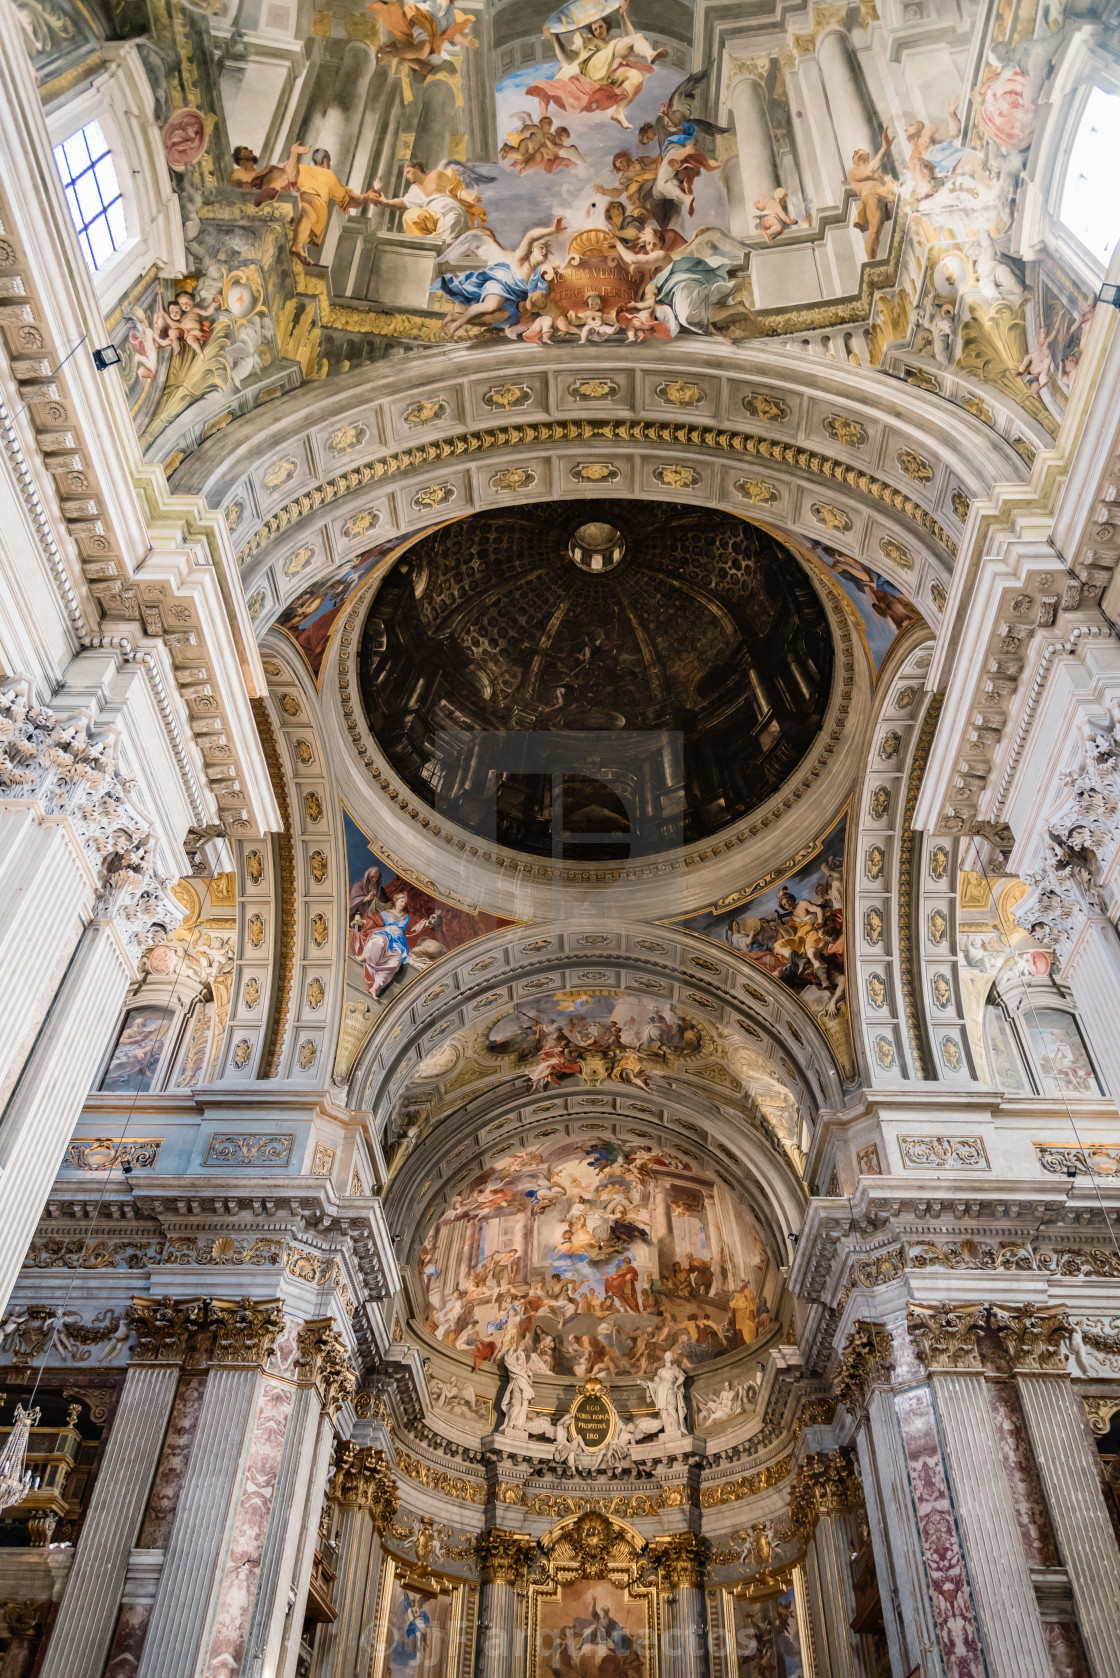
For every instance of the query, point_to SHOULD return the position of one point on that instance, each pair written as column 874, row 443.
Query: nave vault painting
column 596, row 1258
column 604, row 175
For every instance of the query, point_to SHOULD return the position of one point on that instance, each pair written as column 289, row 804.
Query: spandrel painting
column 592, row 1629
column 596, row 1258
column 767, row 1638
column 795, row 931
column 139, row 1049
column 417, row 1636
column 883, row 609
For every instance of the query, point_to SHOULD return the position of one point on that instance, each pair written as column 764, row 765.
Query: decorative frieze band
column 271, row 1148
column 943, row 1153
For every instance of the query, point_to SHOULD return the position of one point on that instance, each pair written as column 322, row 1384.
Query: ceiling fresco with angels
column 355, row 180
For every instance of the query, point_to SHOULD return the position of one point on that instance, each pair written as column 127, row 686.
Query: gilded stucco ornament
column 1033, row 1336
column 246, row 1329
column 503, row 1557
column 944, row 1336
column 363, row 1479
column 864, row 1363
column 325, row 1361
column 826, row 1483
column 163, row 1328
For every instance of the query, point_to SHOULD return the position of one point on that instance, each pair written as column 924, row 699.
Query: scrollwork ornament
column 1033, row 1336
column 1066, row 887
column 865, row 1363
column 944, row 1336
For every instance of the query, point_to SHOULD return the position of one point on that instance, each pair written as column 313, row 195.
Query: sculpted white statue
column 518, row 1395
column 666, row 1394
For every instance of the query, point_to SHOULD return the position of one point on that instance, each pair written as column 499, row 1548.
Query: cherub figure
column 595, row 322
column 774, row 215
column 935, row 151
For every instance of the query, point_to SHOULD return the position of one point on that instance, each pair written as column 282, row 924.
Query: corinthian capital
column 825, row 1484
column 363, row 1479
column 682, row 1557
column 1032, row 1336
column 502, row 1556
column 865, row 1362
column 325, row 1362
column 163, row 1328
column 944, row 1336
column 246, row 1329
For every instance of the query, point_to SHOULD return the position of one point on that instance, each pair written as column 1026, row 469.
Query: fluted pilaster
column 80, row 1640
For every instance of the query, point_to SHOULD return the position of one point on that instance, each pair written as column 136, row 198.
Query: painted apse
column 593, row 179
column 596, row 1258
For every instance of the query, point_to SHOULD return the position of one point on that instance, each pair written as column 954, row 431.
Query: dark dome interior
column 599, row 717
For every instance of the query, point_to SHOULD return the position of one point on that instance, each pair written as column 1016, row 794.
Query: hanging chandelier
column 15, row 1476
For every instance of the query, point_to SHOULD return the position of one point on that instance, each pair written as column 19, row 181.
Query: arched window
column 1089, row 207
column 93, row 195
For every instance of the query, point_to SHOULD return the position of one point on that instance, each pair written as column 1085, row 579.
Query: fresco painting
column 139, row 1050
column 592, row 1629
column 596, row 1258
column 883, row 609
column 311, row 617
column 594, row 1034
column 417, row 1632
column 767, row 1637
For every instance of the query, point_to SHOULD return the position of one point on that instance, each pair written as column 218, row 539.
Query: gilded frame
column 616, row 1565
column 410, row 1576
column 770, row 1585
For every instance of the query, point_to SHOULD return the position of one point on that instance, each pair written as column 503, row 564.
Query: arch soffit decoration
column 896, row 464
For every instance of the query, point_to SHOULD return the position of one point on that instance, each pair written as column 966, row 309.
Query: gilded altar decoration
column 255, row 1148
column 507, row 396
column 246, row 1330
column 865, row 1362
column 593, row 1588
column 254, row 867
column 592, row 1418
column 944, row 1336
column 680, row 393
column 849, row 433
column 317, row 867
column 278, row 474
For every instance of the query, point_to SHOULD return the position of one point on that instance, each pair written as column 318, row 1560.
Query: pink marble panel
column 1037, row 1534
column 957, row 1634
column 243, row 1563
column 283, row 1358
column 904, row 1359
column 128, row 1640
column 174, row 1457
column 1067, row 1652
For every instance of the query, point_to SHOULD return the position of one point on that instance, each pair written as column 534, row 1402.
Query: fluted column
column 190, row 1584
column 1064, row 1453
column 80, row 1639
column 338, row 128
column 757, row 162
column 825, row 1493
column 304, row 1561
column 365, row 1493
column 849, row 104
column 684, row 1621
column 44, row 1105
column 502, row 1565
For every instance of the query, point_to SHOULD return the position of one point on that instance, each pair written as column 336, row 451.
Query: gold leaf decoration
column 317, row 863
column 834, row 518
column 753, row 489
column 256, row 931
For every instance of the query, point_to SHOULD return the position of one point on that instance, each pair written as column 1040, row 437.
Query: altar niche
column 593, row 1613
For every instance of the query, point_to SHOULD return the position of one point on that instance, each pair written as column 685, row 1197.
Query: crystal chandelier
column 15, row 1476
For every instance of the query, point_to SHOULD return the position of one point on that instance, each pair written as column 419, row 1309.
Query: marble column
column 43, row 1108
column 225, row 1448
column 945, row 1338
column 502, row 1564
column 308, row 1542
column 684, row 1620
column 826, row 1492
column 1066, row 1459
column 849, row 103
column 819, row 165
column 754, row 138
column 364, row 1491
column 80, row 1639
column 341, row 121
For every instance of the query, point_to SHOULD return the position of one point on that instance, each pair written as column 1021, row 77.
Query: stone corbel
column 164, row 1327
column 944, row 1336
column 865, row 1363
column 324, row 1361
column 1033, row 1337
column 246, row 1330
